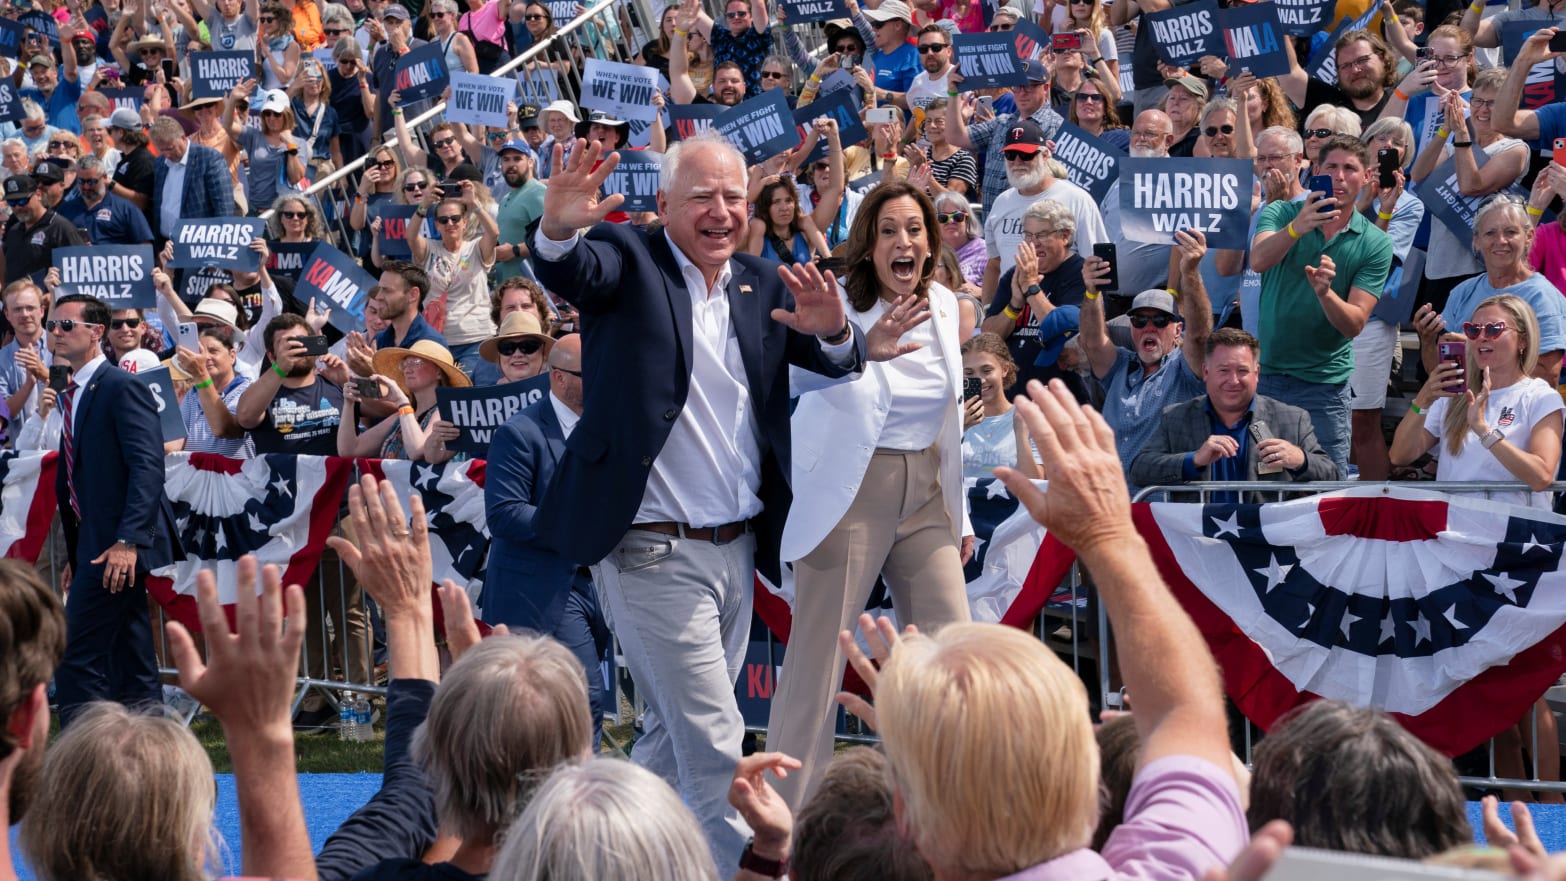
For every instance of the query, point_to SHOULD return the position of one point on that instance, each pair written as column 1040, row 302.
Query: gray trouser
column 681, row 611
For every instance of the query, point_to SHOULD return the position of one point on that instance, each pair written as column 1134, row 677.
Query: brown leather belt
column 715, row 534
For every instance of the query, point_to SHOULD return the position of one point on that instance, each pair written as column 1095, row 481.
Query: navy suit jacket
column 209, row 191
column 526, row 582
column 637, row 353
column 118, row 472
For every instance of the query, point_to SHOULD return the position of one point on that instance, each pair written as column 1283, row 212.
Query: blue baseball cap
column 518, row 145
column 1035, row 71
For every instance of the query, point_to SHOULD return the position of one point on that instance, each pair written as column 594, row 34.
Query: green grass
column 313, row 753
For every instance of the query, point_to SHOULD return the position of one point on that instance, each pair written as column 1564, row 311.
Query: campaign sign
column 562, row 10
column 477, row 412
column 119, row 98
column 1303, row 18
column 635, row 176
column 10, row 103
column 1445, row 200
column 1091, row 162
column 194, row 286
column 1183, row 34
column 119, row 275
column 538, row 87
column 693, row 119
column 836, row 81
column 160, row 382
column 1544, row 84
column 336, row 280
column 393, row 237
column 839, row 106
column 11, row 38
column 987, row 61
column 222, row 243
column 287, row 260
column 1031, row 39
column 813, row 10
column 1161, row 196
column 760, row 127
column 479, row 99
column 421, row 73
column 1254, row 39
column 1323, row 65
column 624, row 90
column 215, row 74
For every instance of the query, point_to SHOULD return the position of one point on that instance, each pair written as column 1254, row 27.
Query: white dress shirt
column 568, row 419
column 82, row 377
column 173, row 191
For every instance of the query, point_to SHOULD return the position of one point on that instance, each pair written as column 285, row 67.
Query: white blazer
column 837, row 425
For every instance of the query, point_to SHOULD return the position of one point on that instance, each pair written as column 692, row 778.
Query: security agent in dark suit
column 118, row 522
column 1210, row 438
column 674, row 484
column 527, row 584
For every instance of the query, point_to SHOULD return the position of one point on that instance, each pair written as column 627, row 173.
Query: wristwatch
column 1494, row 437
column 750, row 862
column 1031, row 290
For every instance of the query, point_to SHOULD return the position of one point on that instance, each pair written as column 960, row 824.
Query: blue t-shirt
column 115, row 221
column 1544, row 297
column 1134, row 401
column 1552, row 122
column 895, row 71
column 61, row 104
column 304, row 124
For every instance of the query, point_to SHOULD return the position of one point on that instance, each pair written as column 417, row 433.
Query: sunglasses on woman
column 1490, row 331
column 1213, row 130
column 507, row 348
column 449, row 219
column 1158, row 321
column 119, row 323
column 952, row 217
column 295, row 215
column 1319, row 133
column 411, row 186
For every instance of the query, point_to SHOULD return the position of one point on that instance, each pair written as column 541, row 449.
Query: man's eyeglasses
column 19, row 203
column 528, row 346
column 575, row 373
column 1319, row 133
column 736, row 15
column 773, row 75
column 1358, row 62
column 1018, row 156
column 88, row 182
column 953, row 217
column 931, row 48
column 122, row 323
column 294, row 215
column 65, row 325
column 444, row 142
column 1034, row 238
column 437, row 15
column 449, row 220
column 1213, row 130
column 1158, row 321
column 1490, row 331
column 1274, row 157
column 335, row 32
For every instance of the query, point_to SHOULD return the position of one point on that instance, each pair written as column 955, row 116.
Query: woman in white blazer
column 877, row 476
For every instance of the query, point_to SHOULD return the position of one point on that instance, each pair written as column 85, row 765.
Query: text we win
column 628, row 93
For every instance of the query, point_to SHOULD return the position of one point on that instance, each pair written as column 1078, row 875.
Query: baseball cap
column 889, row 10
column 1154, row 298
column 125, row 118
column 396, row 10
column 527, row 116
column 276, row 101
column 46, row 172
column 20, row 186
column 139, row 361
column 1025, row 136
column 1190, row 84
column 1005, row 12
column 1034, row 70
column 516, row 144
column 40, row 58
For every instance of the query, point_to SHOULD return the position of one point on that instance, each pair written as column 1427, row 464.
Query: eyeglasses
column 19, row 203
column 295, row 215
column 953, row 217
column 437, row 15
column 575, row 373
column 88, row 181
column 410, row 186
column 879, row 24
column 62, row 146
column 528, row 346
column 1274, row 157
column 267, row 19
column 1034, row 238
column 449, row 219
column 335, row 32
column 1477, row 103
column 413, row 362
column 1358, row 62
column 534, row 17
column 773, row 75
column 1018, row 156
column 846, row 49
column 444, row 142
column 386, row 163
column 121, row 323
column 1448, row 60
column 1319, row 133
column 999, row 27
column 151, row 51
column 66, row 325
column 1213, row 130
column 1138, row 134
column 1491, row 331
column 269, row 113
column 1089, row 98
column 931, row 48
column 1140, row 321
column 736, row 14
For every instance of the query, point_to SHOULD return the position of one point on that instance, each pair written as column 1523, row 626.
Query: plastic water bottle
column 346, row 721
column 363, row 728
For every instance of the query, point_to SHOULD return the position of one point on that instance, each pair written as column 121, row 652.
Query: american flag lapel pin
column 744, row 288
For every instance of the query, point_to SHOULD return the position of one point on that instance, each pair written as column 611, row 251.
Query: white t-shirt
column 924, row 90
column 1515, row 410
column 1003, row 223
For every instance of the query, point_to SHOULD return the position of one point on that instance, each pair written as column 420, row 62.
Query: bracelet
column 1011, row 313
column 1476, row 7
column 889, row 157
column 396, row 111
column 1383, row 216
column 1458, row 145
column 278, row 369
column 682, row 33
column 815, row 78
column 1172, row 292
column 951, row 93
column 1091, row 295
column 1442, row 133
column 1415, row 409
column 405, row 410
column 1535, row 212
column 1397, row 92
column 206, row 383
column 841, row 337
column 1290, row 230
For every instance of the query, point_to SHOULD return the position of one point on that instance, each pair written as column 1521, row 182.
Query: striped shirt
column 198, row 432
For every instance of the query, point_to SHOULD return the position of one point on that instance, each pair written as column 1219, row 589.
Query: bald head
column 1152, row 134
column 565, row 374
column 567, row 353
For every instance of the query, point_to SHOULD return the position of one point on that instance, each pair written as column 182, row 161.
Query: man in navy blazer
column 205, row 189
column 673, row 485
column 527, row 584
column 118, row 522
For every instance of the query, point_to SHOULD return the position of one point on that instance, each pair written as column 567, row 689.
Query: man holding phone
column 296, row 403
column 1323, row 266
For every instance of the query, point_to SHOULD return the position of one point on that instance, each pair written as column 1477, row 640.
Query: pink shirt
column 1549, row 253
column 485, row 24
column 1183, row 817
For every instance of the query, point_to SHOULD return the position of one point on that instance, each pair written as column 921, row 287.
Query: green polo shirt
column 1296, row 338
column 518, row 209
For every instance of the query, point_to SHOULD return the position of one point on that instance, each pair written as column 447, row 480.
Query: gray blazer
column 1184, row 427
